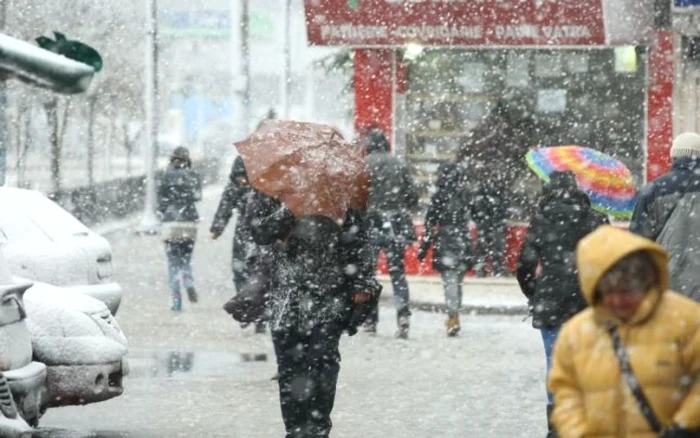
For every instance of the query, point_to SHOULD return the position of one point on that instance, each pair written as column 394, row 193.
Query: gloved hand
column 423, row 250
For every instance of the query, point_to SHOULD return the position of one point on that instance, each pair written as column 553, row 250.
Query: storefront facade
column 591, row 72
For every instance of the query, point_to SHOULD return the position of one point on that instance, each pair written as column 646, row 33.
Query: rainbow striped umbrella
column 607, row 181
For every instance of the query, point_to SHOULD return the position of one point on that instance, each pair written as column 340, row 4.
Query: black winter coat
column 233, row 197
column 318, row 265
column 178, row 192
column 392, row 198
column 447, row 221
column 488, row 200
column 564, row 218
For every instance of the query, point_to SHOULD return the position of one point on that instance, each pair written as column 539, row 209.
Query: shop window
column 551, row 101
column 548, row 65
column 473, row 77
column 565, row 96
column 518, row 71
column 577, row 62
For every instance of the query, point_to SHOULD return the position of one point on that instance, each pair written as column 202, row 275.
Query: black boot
column 551, row 432
column 192, row 294
column 260, row 327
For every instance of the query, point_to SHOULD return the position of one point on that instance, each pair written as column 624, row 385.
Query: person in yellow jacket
column 624, row 278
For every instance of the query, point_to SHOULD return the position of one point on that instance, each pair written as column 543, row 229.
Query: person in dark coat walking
column 564, row 217
column 489, row 210
column 447, row 228
column 320, row 270
column 493, row 154
column 236, row 196
column 179, row 190
column 393, row 197
column 668, row 212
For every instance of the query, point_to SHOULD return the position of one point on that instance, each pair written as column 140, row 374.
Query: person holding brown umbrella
column 310, row 194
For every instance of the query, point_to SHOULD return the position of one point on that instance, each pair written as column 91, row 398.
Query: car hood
column 68, row 328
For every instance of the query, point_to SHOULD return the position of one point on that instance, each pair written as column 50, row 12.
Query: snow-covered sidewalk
column 480, row 295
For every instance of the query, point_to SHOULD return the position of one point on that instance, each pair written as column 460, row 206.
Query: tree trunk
column 23, row 147
column 64, row 123
column 109, row 145
column 22, row 160
column 21, row 116
column 92, row 100
column 128, row 145
column 51, row 108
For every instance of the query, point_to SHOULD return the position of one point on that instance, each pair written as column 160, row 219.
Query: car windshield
column 44, row 214
column 18, row 227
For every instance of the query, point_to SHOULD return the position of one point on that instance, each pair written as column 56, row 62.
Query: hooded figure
column 493, row 154
column 564, row 217
column 321, row 269
column 179, row 190
column 668, row 211
column 392, row 199
column 625, row 279
column 447, row 227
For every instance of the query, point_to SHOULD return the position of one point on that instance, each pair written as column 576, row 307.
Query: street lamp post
column 287, row 71
column 245, row 64
column 149, row 221
column 4, row 132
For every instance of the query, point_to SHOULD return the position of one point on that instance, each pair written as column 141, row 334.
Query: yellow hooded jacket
column 662, row 341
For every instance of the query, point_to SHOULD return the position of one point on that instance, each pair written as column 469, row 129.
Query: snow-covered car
column 22, row 376
column 79, row 341
column 57, row 347
column 43, row 242
column 25, row 376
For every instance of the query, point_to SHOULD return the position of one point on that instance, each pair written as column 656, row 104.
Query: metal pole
column 92, row 102
column 4, row 134
column 235, row 46
column 149, row 221
column 245, row 66
column 287, row 75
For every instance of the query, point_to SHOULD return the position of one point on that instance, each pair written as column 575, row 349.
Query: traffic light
column 72, row 49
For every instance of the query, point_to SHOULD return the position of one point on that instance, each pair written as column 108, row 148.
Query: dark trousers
column 246, row 274
column 395, row 252
column 490, row 242
column 308, row 364
column 239, row 267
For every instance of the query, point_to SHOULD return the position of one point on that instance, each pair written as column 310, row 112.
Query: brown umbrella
column 307, row 166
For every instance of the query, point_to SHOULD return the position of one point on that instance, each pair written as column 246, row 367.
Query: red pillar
column 660, row 104
column 373, row 89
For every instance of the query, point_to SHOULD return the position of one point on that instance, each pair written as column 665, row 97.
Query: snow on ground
column 488, row 383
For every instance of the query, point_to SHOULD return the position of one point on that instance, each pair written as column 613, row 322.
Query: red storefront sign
column 455, row 22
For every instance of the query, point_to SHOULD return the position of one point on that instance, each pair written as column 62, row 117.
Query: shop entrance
column 591, row 97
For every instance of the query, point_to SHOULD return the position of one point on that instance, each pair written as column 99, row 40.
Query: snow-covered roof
column 41, row 68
